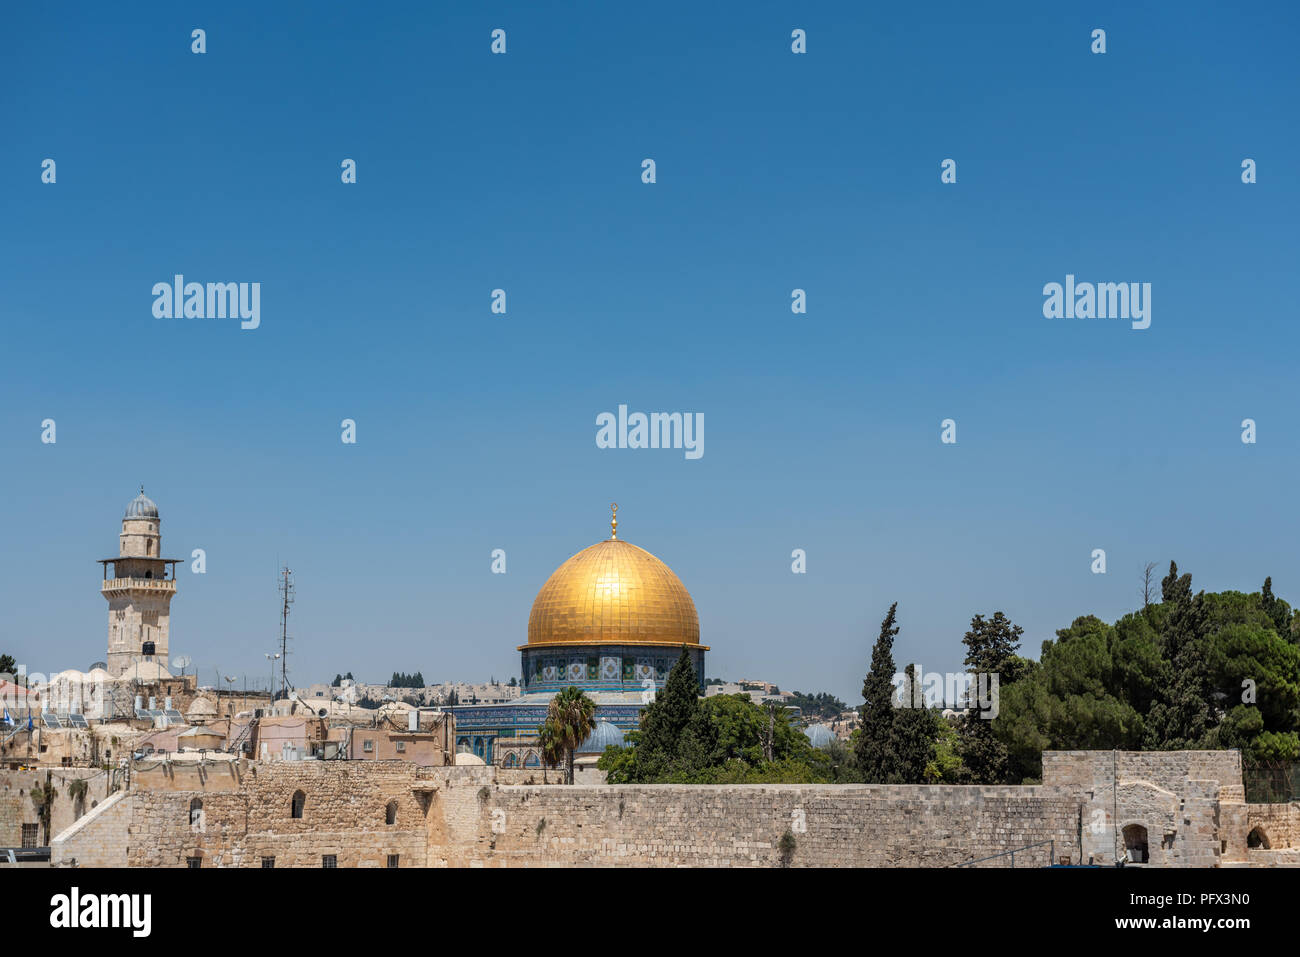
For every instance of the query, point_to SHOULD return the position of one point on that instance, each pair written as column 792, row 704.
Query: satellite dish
column 182, row 662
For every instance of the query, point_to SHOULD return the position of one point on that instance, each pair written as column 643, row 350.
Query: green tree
column 570, row 719
column 912, row 737
column 1278, row 611
column 43, row 796
column 993, row 664
column 668, row 739
column 1180, row 717
column 7, row 665
column 945, row 765
column 77, row 789
column 873, row 741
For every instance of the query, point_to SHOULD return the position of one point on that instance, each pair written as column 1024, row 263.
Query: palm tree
column 548, row 740
column 43, row 801
column 570, row 718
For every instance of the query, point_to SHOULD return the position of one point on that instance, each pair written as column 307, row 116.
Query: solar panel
column 172, row 714
column 141, row 713
column 77, row 721
column 51, row 721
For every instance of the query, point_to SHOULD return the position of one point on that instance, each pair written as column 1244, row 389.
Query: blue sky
column 775, row 171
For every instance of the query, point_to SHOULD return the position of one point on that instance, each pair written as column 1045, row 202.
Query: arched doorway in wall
column 1135, row 843
column 1258, row 840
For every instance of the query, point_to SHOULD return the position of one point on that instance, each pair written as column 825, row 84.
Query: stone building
column 139, row 592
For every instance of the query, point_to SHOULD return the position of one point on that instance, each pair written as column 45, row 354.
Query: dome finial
column 613, row 521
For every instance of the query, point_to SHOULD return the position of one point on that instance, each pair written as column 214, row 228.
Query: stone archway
column 1135, row 843
column 1257, row 840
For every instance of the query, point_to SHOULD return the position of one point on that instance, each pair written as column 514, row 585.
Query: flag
column 9, row 722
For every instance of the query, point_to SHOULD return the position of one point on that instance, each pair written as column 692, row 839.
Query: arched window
column 1135, row 842
column 511, row 761
column 1257, row 838
column 390, row 813
column 196, row 814
column 299, row 800
column 531, row 760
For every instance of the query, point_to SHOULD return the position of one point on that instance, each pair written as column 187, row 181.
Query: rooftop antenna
column 286, row 599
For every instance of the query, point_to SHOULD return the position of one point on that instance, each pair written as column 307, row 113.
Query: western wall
column 1189, row 806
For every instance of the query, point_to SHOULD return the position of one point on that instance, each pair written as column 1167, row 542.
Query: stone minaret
column 139, row 594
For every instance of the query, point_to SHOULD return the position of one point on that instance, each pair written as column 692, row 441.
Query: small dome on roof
column 141, row 507
column 201, row 708
column 819, row 735
column 602, row 737
column 465, row 759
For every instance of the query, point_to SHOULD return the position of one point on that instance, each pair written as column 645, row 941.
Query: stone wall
column 1187, row 807
column 236, row 813
column 478, row 825
column 101, row 838
column 16, row 808
column 1279, row 823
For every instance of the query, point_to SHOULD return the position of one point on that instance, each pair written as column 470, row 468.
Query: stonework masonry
column 17, row 809
column 380, row 813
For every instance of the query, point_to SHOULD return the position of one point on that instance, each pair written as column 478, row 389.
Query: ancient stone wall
column 238, row 813
column 1182, row 808
column 475, row 824
column 17, row 809
column 1279, row 824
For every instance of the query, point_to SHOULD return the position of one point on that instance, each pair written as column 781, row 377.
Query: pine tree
column 877, row 710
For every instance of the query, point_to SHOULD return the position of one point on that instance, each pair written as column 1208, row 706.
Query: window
column 392, row 860
column 368, row 746
column 390, row 813
column 194, row 863
column 30, row 833
column 268, row 863
column 329, row 860
column 299, row 800
column 401, row 747
column 196, row 814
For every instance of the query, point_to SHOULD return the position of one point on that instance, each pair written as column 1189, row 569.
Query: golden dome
column 613, row 593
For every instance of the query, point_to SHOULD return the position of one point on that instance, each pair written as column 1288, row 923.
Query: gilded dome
column 613, row 593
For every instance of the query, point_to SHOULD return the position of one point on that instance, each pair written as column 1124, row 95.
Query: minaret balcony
column 138, row 584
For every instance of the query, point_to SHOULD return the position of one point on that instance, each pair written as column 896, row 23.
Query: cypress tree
column 912, row 738
column 1181, row 717
column 873, row 745
column 991, row 646
column 669, row 722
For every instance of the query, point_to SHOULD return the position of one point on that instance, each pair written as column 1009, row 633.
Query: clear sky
column 522, row 171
